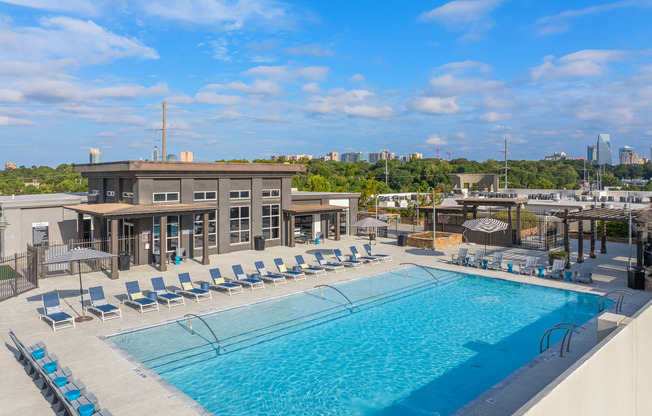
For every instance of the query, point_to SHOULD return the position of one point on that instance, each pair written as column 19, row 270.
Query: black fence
column 18, row 273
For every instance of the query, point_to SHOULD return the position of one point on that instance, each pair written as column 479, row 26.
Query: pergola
column 508, row 203
column 292, row 212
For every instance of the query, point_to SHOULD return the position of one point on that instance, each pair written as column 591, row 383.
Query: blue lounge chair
column 295, row 274
column 242, row 277
column 335, row 267
column 136, row 298
column 346, row 262
column 162, row 293
column 360, row 257
column 187, row 288
column 384, row 257
column 53, row 313
column 317, row 271
column 277, row 279
column 219, row 282
column 99, row 304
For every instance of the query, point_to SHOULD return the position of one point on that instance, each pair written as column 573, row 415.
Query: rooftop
column 138, row 166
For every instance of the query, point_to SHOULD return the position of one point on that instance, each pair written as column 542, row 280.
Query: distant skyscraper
column 629, row 158
column 95, row 155
column 625, row 149
column 156, row 154
column 592, row 153
column 10, row 165
column 187, row 156
column 171, row 158
column 352, row 157
column 604, row 149
column 385, row 154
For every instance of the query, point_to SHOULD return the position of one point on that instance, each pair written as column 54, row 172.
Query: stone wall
column 424, row 239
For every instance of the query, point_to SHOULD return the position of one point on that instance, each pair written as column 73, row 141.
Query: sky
column 255, row 78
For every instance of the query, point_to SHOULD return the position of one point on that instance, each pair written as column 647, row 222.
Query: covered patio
column 290, row 216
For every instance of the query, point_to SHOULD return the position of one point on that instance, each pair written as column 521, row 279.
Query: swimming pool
column 408, row 347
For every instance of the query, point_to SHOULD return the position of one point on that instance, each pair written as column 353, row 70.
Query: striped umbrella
column 485, row 225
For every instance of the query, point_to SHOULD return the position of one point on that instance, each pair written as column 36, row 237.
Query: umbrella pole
column 83, row 317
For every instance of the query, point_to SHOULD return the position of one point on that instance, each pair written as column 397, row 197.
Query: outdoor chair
column 346, row 262
column 460, row 259
column 187, row 288
column 136, row 298
column 584, row 274
column 296, row 275
column 242, row 277
column 181, row 253
column 54, row 314
column 277, row 279
column 219, row 282
column 162, row 293
column 99, row 304
column 384, row 257
column 496, row 262
column 317, row 271
column 334, row 267
column 529, row 266
column 556, row 271
column 358, row 256
column 477, row 258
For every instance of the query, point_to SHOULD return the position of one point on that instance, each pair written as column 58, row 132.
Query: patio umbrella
column 79, row 255
column 370, row 222
column 485, row 225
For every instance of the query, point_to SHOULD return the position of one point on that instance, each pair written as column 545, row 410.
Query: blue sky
column 253, row 78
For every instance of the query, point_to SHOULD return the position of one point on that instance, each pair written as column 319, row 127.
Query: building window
column 206, row 196
column 239, row 195
column 172, row 234
column 212, row 230
column 166, row 197
column 239, row 224
column 271, row 193
column 272, row 221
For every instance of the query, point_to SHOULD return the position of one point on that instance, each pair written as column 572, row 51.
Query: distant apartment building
column 558, row 156
column 333, row 156
column 156, row 154
column 95, row 155
column 187, row 157
column 385, row 154
column 624, row 149
column 10, row 165
column 415, row 156
column 629, row 158
column 605, row 155
column 295, row 158
column 592, row 153
column 171, row 158
column 352, row 157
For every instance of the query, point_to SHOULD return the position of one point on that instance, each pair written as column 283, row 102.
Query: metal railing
column 18, row 274
column 335, row 289
column 427, row 269
column 189, row 315
column 619, row 303
column 569, row 327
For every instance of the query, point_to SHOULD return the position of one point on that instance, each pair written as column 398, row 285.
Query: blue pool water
column 409, row 347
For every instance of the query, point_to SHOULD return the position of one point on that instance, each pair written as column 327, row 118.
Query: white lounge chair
column 99, row 304
column 496, row 262
column 334, row 267
column 477, row 258
column 529, row 266
column 556, row 271
column 384, row 257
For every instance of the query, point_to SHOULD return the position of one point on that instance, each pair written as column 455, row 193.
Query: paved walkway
column 128, row 388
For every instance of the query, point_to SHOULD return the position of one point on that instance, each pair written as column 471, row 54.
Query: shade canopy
column 79, row 254
column 370, row 222
column 486, row 225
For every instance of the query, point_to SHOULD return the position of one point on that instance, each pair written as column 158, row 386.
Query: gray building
column 95, row 156
column 352, row 157
column 604, row 149
column 205, row 208
column 592, row 153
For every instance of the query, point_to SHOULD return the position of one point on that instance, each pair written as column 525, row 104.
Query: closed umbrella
column 370, row 222
column 79, row 255
column 485, row 225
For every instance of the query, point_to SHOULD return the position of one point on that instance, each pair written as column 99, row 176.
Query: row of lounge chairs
column 529, row 267
column 67, row 395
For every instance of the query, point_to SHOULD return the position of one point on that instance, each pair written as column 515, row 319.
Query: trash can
column 636, row 277
column 259, row 243
column 402, row 240
column 124, row 260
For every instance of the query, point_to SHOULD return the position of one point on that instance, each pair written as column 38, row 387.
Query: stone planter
column 424, row 239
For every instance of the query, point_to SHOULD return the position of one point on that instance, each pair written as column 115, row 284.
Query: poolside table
column 510, row 268
column 176, row 260
column 467, row 261
column 541, row 269
column 205, row 285
column 484, row 264
column 568, row 276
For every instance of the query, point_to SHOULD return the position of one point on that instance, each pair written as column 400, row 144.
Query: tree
column 318, row 183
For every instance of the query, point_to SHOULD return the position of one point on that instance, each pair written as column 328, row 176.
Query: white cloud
column 53, row 90
column 220, row 49
column 357, row 78
column 312, row 88
column 312, row 50
column 467, row 65
column 493, row 117
column 258, row 87
column 11, row 96
column 435, row 140
column 206, row 97
column 115, row 115
column 313, row 73
column 11, row 121
column 436, row 105
column 586, row 63
column 179, row 99
column 83, row 7
column 354, row 103
column 469, row 15
column 448, row 84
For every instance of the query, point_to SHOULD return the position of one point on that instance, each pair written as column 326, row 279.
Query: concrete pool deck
column 127, row 388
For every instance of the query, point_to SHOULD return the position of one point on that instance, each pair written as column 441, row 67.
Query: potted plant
column 557, row 255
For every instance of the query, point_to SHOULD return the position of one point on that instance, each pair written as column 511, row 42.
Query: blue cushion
column 105, row 308
column 59, row 317
column 50, row 367
column 61, row 381
column 73, row 394
column 38, row 354
column 86, row 409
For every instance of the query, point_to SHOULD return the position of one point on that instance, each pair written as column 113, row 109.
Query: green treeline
column 41, row 180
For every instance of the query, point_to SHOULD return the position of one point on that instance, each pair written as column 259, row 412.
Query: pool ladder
column 619, row 303
column 407, row 273
column 338, row 291
column 189, row 315
column 569, row 327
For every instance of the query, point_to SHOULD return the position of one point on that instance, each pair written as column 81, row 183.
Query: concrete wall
column 614, row 378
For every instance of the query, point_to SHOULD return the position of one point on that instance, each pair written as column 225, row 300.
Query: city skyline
column 284, row 78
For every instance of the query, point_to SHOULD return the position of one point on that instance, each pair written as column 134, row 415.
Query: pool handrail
column 570, row 331
column 619, row 302
column 188, row 315
column 337, row 290
column 419, row 265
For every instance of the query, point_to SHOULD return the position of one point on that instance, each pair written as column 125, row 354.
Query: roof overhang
column 121, row 210
column 312, row 209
